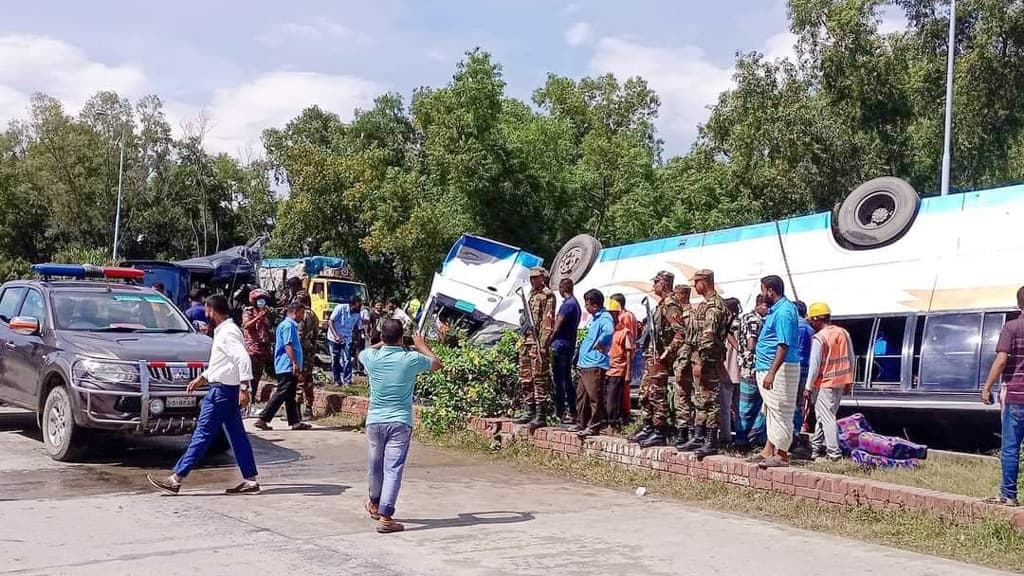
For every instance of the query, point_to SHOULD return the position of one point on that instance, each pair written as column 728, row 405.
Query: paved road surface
column 463, row 516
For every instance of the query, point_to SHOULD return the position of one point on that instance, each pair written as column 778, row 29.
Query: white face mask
column 261, row 303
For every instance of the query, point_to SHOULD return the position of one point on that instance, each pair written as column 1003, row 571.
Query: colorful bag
column 890, row 447
column 871, row 460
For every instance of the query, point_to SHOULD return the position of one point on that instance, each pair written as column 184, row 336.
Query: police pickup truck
column 87, row 350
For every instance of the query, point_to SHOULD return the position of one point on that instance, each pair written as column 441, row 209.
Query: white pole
column 117, row 214
column 948, row 142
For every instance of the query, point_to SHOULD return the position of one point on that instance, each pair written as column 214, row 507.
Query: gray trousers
column 826, row 405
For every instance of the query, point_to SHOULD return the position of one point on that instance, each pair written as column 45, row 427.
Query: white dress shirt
column 229, row 362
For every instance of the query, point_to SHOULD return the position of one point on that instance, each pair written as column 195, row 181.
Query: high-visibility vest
column 835, row 370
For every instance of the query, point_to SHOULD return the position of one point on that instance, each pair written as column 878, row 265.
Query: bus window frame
column 906, row 353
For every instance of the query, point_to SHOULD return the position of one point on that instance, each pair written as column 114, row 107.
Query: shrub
column 474, row 381
column 16, row 269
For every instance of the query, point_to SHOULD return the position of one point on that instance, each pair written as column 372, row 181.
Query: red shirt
column 622, row 343
column 1011, row 341
column 257, row 336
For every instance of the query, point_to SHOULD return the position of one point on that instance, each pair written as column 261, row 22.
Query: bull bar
column 143, row 423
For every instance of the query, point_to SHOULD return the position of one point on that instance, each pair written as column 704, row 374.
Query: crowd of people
column 772, row 377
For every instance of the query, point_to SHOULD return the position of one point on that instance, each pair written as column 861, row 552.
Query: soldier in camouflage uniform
column 683, row 367
column 712, row 328
column 660, row 355
column 309, row 329
column 534, row 356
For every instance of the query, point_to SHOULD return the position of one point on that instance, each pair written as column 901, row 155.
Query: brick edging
column 822, row 487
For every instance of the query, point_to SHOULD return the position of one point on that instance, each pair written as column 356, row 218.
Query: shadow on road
column 13, row 420
column 468, row 519
column 284, row 489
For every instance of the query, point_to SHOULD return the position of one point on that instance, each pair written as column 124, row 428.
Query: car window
column 9, row 301
column 949, row 351
column 33, row 306
column 117, row 311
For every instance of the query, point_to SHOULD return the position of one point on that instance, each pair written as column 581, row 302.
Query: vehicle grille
column 172, row 375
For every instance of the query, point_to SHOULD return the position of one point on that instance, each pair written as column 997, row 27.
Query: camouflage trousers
column 305, row 388
column 654, row 393
column 683, row 370
column 706, row 399
column 534, row 375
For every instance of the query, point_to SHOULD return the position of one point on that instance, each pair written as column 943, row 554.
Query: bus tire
column 575, row 259
column 877, row 213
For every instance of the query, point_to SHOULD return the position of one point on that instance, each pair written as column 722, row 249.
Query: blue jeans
column 750, row 424
column 561, row 372
column 341, row 362
column 219, row 411
column 1013, row 435
column 388, row 444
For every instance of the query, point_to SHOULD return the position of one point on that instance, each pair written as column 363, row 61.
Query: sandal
column 773, row 462
column 388, row 526
column 1002, row 501
column 372, row 510
column 756, row 458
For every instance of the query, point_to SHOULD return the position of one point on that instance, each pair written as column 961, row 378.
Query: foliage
column 14, row 269
column 473, row 381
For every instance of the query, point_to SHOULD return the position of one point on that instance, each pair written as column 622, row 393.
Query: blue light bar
column 68, row 270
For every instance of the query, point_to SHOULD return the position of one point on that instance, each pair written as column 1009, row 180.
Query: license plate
column 181, row 402
column 181, row 374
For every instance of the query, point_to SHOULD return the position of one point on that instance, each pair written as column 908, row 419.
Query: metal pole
column 947, row 144
column 117, row 214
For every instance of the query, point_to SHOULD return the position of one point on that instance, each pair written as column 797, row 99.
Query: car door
column 26, row 352
column 10, row 301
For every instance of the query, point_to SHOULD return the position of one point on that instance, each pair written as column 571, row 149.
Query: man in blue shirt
column 777, row 363
column 805, row 334
column 344, row 321
column 563, row 345
column 197, row 309
column 594, row 361
column 392, row 370
column 288, row 366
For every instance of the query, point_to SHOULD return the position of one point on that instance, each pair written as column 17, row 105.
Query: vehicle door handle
column 10, row 345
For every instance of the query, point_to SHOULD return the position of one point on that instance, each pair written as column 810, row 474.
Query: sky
column 246, row 66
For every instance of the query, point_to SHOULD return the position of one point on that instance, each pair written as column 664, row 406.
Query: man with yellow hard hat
column 620, row 369
column 829, row 376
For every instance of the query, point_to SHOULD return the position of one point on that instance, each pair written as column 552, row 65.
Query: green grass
column 342, row 421
column 976, row 477
column 993, row 543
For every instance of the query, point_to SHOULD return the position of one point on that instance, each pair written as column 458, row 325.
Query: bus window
column 887, row 369
column 860, row 332
column 949, row 352
column 989, row 338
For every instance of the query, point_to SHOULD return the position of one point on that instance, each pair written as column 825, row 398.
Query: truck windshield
column 342, row 292
column 104, row 311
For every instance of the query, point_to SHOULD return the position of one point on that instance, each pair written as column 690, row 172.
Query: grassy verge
column 993, row 543
column 342, row 421
column 974, row 477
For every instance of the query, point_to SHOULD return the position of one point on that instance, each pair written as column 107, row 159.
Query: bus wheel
column 574, row 260
column 876, row 213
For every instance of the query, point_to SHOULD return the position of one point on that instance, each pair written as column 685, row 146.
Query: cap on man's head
column 612, row 306
column 664, row 275
column 703, row 274
column 538, row 271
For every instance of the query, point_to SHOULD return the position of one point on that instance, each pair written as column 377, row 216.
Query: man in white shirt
column 228, row 369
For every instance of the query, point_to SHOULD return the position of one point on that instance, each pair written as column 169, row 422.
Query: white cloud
column 572, row 8
column 315, row 30
column 237, row 115
column 579, row 33
column 685, row 78
column 31, row 64
column 892, row 20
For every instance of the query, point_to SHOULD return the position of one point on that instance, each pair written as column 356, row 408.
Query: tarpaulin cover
column 311, row 265
column 227, row 265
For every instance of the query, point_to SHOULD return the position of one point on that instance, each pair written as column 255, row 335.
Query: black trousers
column 613, row 398
column 287, row 385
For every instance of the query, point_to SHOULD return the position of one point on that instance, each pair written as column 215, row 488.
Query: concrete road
column 463, row 516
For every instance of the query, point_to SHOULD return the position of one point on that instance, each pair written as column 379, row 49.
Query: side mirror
column 26, row 325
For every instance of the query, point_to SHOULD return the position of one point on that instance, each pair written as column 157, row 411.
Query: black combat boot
column 644, row 432
column 539, row 419
column 528, row 415
column 683, row 437
column 710, row 445
column 696, row 441
column 657, row 438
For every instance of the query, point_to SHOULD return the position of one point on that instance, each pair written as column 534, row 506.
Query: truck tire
column 877, row 213
column 574, row 260
column 64, row 440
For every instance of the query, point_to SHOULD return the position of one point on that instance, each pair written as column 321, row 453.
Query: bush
column 474, row 381
column 81, row 255
column 16, row 269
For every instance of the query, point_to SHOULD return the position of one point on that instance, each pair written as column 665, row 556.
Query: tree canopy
column 394, row 187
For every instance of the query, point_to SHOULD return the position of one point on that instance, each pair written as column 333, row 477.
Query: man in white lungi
column 777, row 363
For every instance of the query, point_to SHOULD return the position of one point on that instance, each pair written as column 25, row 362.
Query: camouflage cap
column 664, row 275
column 538, row 271
column 703, row 274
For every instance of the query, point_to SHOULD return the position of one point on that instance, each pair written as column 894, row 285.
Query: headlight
column 156, row 406
column 108, row 372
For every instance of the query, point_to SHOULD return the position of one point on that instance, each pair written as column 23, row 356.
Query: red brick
column 783, row 487
column 539, row 443
column 681, row 469
column 761, row 484
column 809, row 493
column 1018, row 520
column 739, row 480
column 833, row 497
column 782, row 475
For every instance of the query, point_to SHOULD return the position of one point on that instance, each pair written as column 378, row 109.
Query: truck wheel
column 575, row 259
column 63, row 439
column 877, row 213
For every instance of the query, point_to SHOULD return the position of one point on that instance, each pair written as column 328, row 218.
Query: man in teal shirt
column 392, row 371
column 594, row 362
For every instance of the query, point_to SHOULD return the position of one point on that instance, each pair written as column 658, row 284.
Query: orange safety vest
column 835, row 370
